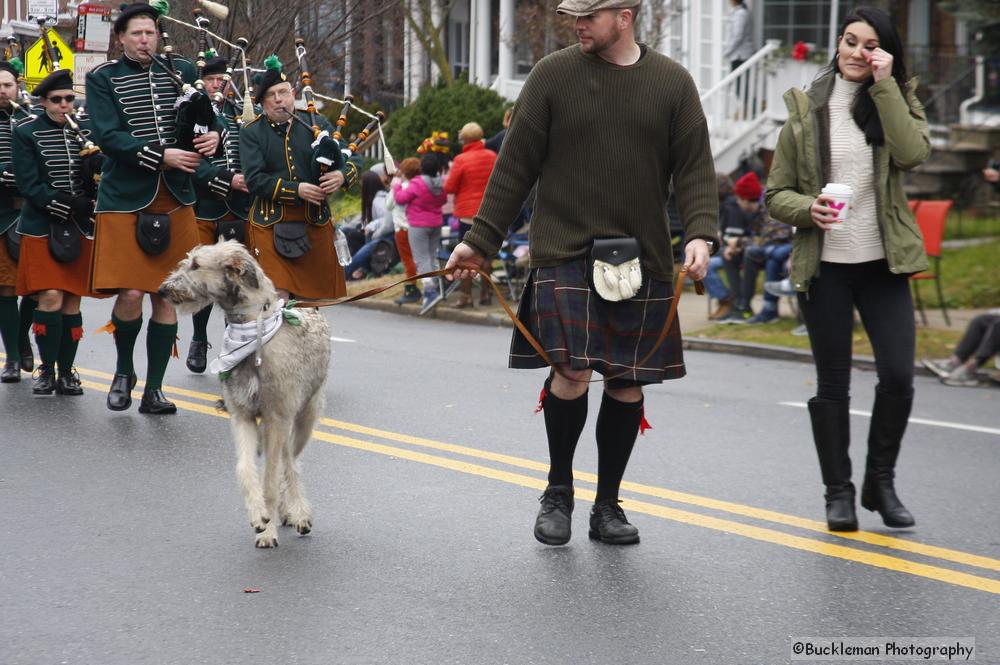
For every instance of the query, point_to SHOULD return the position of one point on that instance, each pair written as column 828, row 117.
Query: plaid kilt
column 577, row 327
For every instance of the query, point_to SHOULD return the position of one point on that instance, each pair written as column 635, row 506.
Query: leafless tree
column 427, row 20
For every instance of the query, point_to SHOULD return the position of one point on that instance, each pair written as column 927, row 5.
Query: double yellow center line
column 838, row 545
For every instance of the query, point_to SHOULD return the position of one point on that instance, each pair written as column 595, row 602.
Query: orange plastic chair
column 931, row 217
column 914, row 204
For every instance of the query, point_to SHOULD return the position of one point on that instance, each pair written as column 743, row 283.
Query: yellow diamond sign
column 38, row 63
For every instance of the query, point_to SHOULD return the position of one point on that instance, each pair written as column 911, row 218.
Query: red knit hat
column 748, row 187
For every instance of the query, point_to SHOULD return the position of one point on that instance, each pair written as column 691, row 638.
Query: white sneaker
column 961, row 377
column 800, row 330
column 941, row 368
column 782, row 289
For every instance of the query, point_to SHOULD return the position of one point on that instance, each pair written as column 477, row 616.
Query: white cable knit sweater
column 852, row 163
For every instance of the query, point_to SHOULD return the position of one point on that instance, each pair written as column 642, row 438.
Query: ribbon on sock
column 541, row 401
column 108, row 327
column 644, row 424
column 76, row 333
column 38, row 329
column 174, row 353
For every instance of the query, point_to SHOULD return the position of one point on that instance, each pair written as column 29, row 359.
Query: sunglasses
column 58, row 99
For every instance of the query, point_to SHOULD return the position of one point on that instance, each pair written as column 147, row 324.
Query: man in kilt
column 145, row 215
column 603, row 127
column 290, row 231
column 13, row 333
column 218, row 213
column 56, row 226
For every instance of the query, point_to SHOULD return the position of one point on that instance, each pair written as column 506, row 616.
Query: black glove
column 91, row 172
column 83, row 210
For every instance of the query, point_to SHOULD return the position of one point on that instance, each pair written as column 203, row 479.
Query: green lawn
column 930, row 342
column 970, row 277
column 962, row 225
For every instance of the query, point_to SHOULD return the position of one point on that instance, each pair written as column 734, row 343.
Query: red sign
column 93, row 28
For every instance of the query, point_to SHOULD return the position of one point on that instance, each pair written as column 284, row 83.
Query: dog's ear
column 241, row 270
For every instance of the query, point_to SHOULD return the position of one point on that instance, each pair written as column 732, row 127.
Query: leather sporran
column 231, row 229
column 615, row 268
column 291, row 240
column 64, row 242
column 152, row 232
column 13, row 240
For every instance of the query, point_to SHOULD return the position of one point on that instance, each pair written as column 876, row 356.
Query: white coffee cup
column 839, row 199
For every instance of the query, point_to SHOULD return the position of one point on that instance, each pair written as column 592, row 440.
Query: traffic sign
column 36, row 61
column 93, row 31
column 43, row 8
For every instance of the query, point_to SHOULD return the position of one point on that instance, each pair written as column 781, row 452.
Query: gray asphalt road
column 124, row 538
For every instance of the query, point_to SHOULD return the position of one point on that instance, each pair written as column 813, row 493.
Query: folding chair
column 931, row 217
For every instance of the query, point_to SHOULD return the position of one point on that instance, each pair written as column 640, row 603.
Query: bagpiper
column 17, row 348
column 56, row 227
column 219, row 215
column 290, row 230
column 145, row 220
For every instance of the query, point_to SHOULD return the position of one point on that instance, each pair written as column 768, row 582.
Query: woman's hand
column 822, row 215
column 881, row 62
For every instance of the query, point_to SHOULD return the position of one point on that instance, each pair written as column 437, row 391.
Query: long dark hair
column 371, row 184
column 863, row 109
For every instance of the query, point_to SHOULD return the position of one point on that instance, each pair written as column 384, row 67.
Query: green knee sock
column 200, row 320
column 160, row 338
column 126, row 333
column 72, row 331
column 9, row 327
column 27, row 309
column 48, row 333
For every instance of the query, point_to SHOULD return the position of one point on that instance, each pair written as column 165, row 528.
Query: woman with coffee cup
column 838, row 166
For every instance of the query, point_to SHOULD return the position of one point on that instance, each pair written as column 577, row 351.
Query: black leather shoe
column 197, row 356
column 155, row 402
column 608, row 524
column 11, row 371
column 840, row 513
column 554, row 521
column 68, row 383
column 120, row 395
column 879, row 494
column 27, row 359
column 44, row 381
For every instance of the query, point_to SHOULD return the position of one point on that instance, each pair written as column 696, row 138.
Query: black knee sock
column 617, row 427
column 48, row 334
column 72, row 332
column 564, row 421
column 200, row 321
column 26, row 311
column 10, row 327
column 126, row 333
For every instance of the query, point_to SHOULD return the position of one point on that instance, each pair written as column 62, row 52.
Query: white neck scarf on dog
column 243, row 339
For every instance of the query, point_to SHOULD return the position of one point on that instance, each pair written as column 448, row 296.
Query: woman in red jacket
column 470, row 171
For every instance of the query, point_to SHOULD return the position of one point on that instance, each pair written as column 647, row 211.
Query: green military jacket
column 801, row 167
column 134, row 122
column 213, row 203
column 8, row 183
column 275, row 159
column 47, row 164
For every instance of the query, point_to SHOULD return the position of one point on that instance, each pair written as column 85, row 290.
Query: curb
column 750, row 349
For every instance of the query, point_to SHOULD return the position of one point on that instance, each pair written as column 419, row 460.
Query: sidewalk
column 692, row 310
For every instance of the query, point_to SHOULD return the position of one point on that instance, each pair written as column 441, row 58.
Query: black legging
column 883, row 300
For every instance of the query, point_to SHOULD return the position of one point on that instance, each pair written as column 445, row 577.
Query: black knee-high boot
column 889, row 418
column 832, row 434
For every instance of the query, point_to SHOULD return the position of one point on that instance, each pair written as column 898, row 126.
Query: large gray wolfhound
column 284, row 390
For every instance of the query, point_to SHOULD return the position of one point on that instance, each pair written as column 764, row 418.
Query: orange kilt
column 316, row 275
column 8, row 267
column 207, row 232
column 38, row 271
column 119, row 262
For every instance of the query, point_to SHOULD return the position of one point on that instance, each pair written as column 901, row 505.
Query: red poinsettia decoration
column 800, row 51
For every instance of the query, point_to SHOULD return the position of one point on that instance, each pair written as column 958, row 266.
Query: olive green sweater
column 603, row 142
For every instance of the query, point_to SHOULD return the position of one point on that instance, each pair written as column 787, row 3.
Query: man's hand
column 331, row 181
column 311, row 193
column 182, row 160
column 207, row 144
column 991, row 175
column 240, row 183
column 696, row 257
column 464, row 260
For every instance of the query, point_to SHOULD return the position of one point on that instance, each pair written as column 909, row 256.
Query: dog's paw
column 267, row 538
column 304, row 527
column 260, row 523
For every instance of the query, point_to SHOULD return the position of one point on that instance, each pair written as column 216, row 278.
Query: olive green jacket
column 801, row 168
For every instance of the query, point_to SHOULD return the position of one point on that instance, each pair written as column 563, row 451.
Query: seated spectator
column 741, row 216
column 980, row 342
column 768, row 250
column 375, row 220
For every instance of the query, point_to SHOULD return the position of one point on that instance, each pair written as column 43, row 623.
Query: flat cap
column 61, row 79
column 587, row 7
column 129, row 12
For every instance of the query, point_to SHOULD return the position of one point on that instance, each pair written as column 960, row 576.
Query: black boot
column 554, row 521
column 44, row 382
column 68, row 383
column 11, row 371
column 197, row 359
column 156, row 403
column 27, row 357
column 608, row 524
column 832, row 434
column 120, row 395
column 889, row 417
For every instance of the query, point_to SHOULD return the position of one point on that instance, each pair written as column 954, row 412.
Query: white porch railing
column 735, row 107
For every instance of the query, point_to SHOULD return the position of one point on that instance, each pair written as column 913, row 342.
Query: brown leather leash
column 671, row 315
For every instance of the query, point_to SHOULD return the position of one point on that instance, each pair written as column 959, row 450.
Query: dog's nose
column 162, row 292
